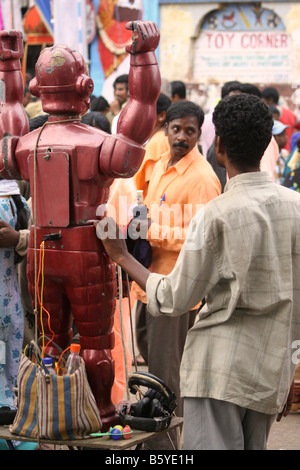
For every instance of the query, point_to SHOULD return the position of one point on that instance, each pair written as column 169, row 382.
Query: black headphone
column 154, row 412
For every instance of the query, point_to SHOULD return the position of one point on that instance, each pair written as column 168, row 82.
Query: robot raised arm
column 137, row 119
column 122, row 154
column 13, row 120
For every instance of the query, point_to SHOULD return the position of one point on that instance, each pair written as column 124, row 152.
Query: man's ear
column 161, row 117
column 219, row 146
column 220, row 152
column 166, row 128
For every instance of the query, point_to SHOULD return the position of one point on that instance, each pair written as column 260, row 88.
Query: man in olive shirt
column 242, row 253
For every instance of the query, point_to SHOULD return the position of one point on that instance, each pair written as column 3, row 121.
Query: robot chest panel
column 50, row 183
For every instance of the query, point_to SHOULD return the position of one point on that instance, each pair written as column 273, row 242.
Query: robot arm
column 122, row 154
column 137, row 119
column 13, row 119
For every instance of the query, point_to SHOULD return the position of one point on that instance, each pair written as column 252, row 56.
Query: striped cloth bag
column 54, row 407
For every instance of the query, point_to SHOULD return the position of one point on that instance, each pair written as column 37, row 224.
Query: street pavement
column 285, row 435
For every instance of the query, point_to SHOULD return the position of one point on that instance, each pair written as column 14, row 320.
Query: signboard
column 243, row 42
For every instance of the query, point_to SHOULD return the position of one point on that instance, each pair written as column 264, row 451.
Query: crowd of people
column 217, row 306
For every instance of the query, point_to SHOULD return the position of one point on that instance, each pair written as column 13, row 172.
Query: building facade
column 206, row 43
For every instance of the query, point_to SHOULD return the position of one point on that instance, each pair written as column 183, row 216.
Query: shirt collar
column 185, row 161
column 256, row 177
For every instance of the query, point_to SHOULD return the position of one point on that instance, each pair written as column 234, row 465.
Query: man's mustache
column 181, row 144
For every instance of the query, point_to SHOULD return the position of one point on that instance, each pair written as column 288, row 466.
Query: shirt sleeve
column 195, row 273
column 22, row 247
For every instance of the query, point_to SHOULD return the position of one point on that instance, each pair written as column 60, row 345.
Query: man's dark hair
column 163, row 103
column 178, row 88
column 37, row 121
column 243, row 88
column 274, row 109
column 99, row 104
column 270, row 93
column 250, row 89
column 96, row 119
column 234, row 84
column 182, row 109
column 121, row 79
column 244, row 123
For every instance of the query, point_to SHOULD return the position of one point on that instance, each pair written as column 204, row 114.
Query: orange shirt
column 185, row 187
column 155, row 147
column 122, row 197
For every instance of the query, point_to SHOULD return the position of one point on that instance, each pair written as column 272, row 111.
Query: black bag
column 140, row 248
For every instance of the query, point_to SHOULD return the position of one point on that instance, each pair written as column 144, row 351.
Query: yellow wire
column 41, row 301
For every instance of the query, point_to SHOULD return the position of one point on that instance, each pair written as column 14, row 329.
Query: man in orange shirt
column 181, row 182
column 155, row 147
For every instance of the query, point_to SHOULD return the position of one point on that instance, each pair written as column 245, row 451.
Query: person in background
column 270, row 157
column 14, row 236
column 14, row 216
column 270, row 96
column 178, row 90
column 121, row 95
column 237, row 369
column 27, row 97
column 208, row 134
column 100, row 104
column 292, row 166
column 279, row 134
column 34, row 108
column 275, row 112
column 96, row 119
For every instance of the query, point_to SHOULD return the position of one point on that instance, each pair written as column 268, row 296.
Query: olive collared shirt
column 242, row 253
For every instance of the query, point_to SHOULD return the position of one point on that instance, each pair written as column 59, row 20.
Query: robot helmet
column 60, row 72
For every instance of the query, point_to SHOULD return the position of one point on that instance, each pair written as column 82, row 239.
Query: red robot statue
column 70, row 167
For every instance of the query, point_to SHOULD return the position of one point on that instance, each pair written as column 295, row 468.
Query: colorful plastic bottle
column 73, row 361
column 48, row 363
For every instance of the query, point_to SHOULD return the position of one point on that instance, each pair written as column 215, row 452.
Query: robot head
column 62, row 81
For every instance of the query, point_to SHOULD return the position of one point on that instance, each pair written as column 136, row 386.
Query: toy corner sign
column 245, row 41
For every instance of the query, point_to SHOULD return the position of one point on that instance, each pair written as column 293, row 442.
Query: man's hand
column 287, row 407
column 112, row 238
column 145, row 36
column 115, row 106
column 8, row 235
column 115, row 246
